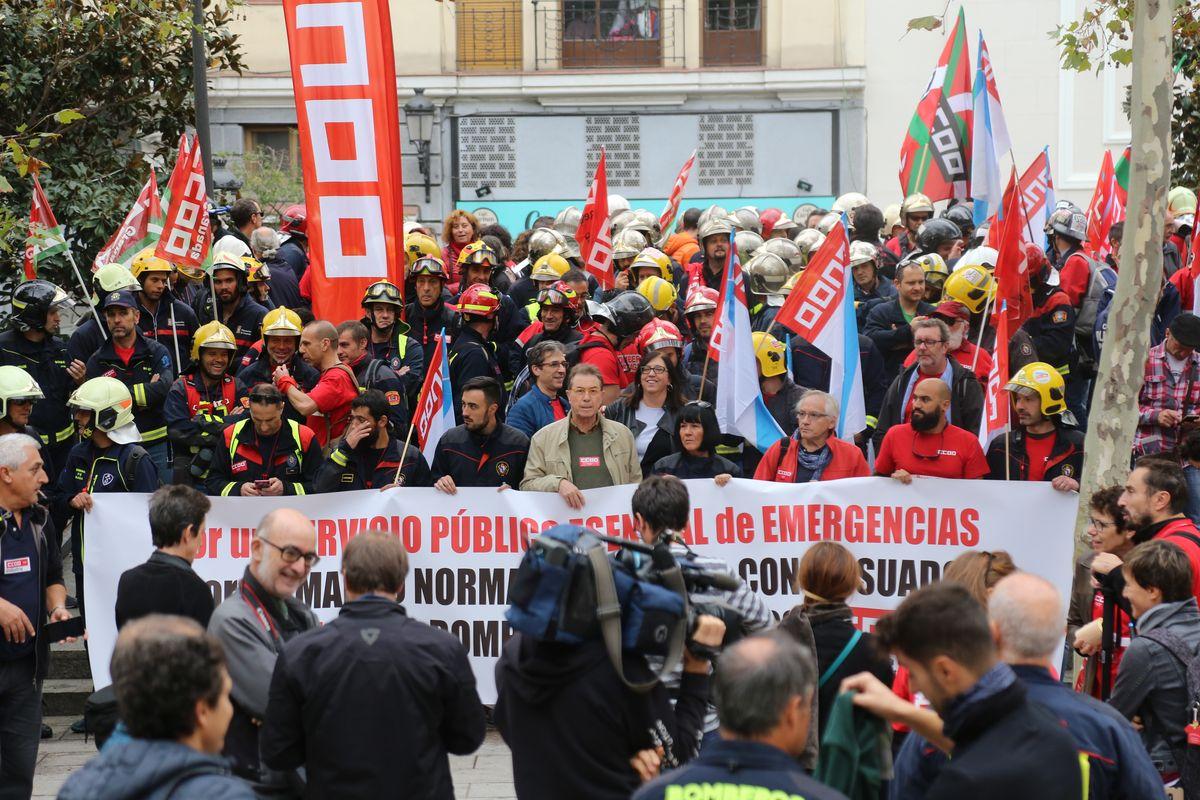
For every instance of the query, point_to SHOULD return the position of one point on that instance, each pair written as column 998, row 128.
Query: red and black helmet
column 561, row 294
column 478, row 300
column 294, row 221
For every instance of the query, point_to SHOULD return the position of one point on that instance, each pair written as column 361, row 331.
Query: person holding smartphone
column 32, row 593
column 265, row 455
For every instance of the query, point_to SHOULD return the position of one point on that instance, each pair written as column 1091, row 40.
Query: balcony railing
column 601, row 34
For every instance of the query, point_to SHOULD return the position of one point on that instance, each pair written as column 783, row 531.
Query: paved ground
column 487, row 773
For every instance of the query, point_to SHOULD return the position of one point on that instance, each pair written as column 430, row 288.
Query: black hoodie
column 572, row 725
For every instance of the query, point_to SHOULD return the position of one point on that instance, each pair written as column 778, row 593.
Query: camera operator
column 577, row 730
column 660, row 507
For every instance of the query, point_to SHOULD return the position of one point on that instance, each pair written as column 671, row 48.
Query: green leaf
column 924, row 24
column 1122, row 56
column 67, row 116
column 5, row 186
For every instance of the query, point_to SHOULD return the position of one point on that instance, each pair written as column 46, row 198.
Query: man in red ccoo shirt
column 928, row 444
column 327, row 406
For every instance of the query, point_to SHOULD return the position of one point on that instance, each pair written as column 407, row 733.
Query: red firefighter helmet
column 478, row 300
column 294, row 221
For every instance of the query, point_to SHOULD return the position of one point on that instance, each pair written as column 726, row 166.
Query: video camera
column 570, row 589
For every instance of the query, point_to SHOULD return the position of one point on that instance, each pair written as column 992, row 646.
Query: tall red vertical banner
column 344, row 77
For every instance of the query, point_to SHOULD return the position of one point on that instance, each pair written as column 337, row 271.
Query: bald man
column 254, row 624
column 1026, row 615
column 928, row 444
column 327, row 406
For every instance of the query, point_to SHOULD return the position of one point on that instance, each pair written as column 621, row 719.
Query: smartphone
column 57, row 631
column 262, row 484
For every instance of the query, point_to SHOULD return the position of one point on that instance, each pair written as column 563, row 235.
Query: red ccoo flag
column 995, row 404
column 595, row 243
column 1105, row 209
column 668, row 215
column 187, row 231
column 1015, row 258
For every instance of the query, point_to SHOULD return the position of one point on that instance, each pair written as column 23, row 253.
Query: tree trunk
column 1114, row 410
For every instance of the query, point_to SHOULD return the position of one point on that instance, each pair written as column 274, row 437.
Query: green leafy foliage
column 1102, row 36
column 92, row 94
column 270, row 177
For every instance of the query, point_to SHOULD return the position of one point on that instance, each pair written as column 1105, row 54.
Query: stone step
column 65, row 696
column 69, row 662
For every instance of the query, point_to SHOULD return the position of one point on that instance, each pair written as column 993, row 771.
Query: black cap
column 1186, row 330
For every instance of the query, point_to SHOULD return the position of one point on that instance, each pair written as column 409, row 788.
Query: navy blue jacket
column 892, row 334
column 46, row 362
column 1119, row 766
column 86, row 339
column 158, row 326
column 1007, row 745
column 150, row 359
column 473, row 460
column 533, row 411
column 738, row 768
column 400, row 352
column 285, row 285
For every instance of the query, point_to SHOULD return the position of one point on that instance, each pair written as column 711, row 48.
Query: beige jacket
column 549, row 460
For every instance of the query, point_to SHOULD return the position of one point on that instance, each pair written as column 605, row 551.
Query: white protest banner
column 462, row 548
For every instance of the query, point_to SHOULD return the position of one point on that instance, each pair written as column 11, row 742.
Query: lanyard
column 264, row 617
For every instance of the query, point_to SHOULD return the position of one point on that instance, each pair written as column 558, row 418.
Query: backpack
column 1101, row 279
column 569, row 589
column 1189, row 764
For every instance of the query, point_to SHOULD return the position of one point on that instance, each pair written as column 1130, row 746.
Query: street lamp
column 419, row 112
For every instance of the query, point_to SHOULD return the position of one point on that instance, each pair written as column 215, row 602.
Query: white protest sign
column 463, row 548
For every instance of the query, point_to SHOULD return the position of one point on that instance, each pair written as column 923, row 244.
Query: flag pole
column 175, row 334
column 86, row 292
column 404, row 450
column 707, row 356
column 982, row 328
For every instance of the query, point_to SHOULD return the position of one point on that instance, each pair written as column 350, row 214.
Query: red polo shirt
column 953, row 453
column 333, row 394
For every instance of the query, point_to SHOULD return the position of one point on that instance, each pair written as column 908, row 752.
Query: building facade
column 784, row 101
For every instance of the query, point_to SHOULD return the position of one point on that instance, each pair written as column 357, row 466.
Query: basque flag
column 820, row 309
column 435, row 406
column 740, row 407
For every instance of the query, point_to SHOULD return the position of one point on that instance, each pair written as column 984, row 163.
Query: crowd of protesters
column 223, row 383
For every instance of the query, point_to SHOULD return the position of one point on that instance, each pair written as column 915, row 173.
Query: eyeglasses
column 292, row 554
column 584, row 391
column 809, row 415
column 654, row 369
column 927, row 342
column 553, row 364
column 1100, row 524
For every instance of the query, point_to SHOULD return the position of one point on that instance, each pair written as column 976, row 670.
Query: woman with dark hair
column 1109, row 531
column 829, row 574
column 697, row 435
column 650, row 410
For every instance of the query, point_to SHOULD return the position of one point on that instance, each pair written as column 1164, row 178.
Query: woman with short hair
column 697, row 435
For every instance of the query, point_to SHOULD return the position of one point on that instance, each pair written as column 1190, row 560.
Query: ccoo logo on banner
column 344, row 77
